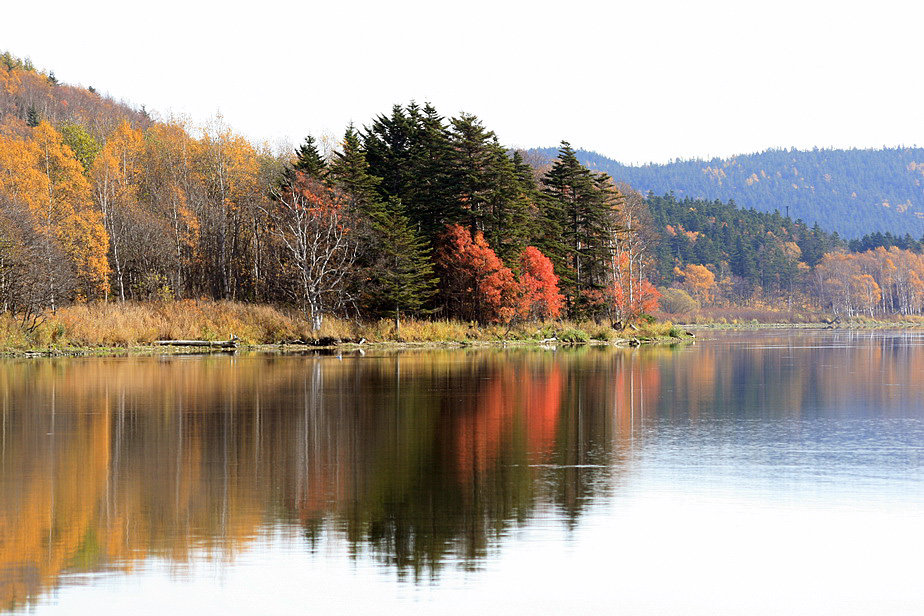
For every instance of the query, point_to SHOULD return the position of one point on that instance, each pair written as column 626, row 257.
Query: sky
column 640, row 81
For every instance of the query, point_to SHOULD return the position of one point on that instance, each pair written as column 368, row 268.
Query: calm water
column 752, row 473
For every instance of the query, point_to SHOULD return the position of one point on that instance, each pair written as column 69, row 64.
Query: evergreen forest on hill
column 853, row 192
column 753, row 249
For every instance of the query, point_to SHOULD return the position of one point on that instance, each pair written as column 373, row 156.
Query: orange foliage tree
column 627, row 296
column 539, row 296
column 41, row 175
column 476, row 284
column 69, row 215
column 116, row 173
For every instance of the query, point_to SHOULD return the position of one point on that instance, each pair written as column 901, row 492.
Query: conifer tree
column 511, row 199
column 349, row 172
column 569, row 187
column 472, row 162
column 308, row 159
column 403, row 281
column 387, row 143
column 583, row 206
column 429, row 202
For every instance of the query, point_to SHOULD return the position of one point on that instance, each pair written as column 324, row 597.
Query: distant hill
column 852, row 192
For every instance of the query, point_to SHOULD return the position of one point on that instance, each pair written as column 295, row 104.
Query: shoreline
column 307, row 348
column 131, row 329
column 847, row 325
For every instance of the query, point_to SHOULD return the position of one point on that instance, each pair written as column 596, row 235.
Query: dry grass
column 746, row 316
column 132, row 324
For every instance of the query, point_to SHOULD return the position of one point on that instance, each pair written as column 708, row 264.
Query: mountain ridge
column 851, row 191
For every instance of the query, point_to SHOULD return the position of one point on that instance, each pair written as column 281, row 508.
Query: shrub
column 574, row 336
column 678, row 301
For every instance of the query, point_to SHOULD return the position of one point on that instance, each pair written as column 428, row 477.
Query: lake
column 758, row 472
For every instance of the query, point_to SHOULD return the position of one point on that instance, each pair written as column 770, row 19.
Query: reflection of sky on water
column 741, row 480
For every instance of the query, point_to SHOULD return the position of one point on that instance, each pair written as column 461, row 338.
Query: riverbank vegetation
column 113, row 222
column 414, row 215
column 138, row 324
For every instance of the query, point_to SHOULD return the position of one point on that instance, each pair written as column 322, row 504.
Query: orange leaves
column 481, row 285
column 85, row 240
column 118, row 163
column 627, row 297
column 68, row 212
column 484, row 289
column 539, row 296
column 228, row 166
column 21, row 178
column 10, row 81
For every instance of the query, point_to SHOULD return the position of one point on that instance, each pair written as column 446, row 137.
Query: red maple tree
column 476, row 283
column 538, row 295
column 478, row 286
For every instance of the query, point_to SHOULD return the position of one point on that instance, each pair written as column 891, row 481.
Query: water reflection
column 416, row 460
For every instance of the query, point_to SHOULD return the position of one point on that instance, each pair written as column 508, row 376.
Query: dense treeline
column 848, row 191
column 871, row 241
column 712, row 253
column 414, row 213
column 880, row 281
column 752, row 256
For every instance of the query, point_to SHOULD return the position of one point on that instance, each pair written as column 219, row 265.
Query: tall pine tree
column 429, row 199
column 403, row 281
column 308, row 159
column 349, row 172
column 582, row 207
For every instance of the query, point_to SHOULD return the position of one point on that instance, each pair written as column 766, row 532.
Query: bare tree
column 319, row 244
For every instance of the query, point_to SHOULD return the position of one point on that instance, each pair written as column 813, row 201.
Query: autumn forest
column 414, row 214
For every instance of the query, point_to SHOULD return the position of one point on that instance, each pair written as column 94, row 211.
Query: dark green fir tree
column 402, row 279
column 349, row 172
column 308, row 159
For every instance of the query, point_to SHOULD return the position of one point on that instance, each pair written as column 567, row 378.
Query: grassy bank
column 133, row 324
column 740, row 318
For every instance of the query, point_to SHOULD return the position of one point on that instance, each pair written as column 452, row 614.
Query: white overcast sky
column 637, row 81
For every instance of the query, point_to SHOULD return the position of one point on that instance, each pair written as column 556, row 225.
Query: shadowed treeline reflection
column 786, row 375
column 414, row 459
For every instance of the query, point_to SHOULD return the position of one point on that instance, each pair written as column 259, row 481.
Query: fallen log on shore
column 212, row 344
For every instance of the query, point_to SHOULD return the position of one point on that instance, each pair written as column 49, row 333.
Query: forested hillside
column 413, row 213
column 852, row 192
column 748, row 251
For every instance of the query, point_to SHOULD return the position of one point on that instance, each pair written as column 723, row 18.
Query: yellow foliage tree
column 170, row 185
column 43, row 176
column 698, row 280
column 67, row 212
column 865, row 292
column 116, row 176
column 228, row 168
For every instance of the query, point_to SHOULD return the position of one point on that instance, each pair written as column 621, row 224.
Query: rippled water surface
column 771, row 472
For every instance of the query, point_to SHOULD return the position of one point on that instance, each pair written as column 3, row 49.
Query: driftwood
column 212, row 344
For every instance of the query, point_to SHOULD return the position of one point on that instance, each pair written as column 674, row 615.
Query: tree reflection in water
column 417, row 460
